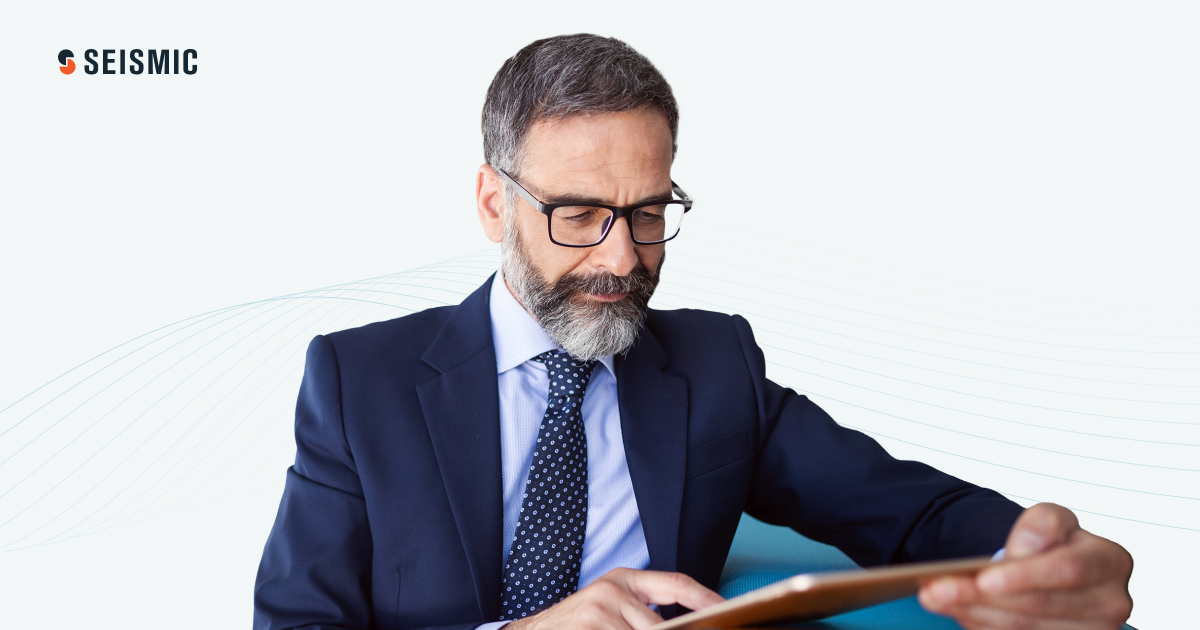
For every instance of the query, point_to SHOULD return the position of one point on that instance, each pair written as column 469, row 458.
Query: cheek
column 552, row 261
column 650, row 255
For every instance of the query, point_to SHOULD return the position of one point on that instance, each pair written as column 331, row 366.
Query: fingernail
column 1024, row 543
column 991, row 581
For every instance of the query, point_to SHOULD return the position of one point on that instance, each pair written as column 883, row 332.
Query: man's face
column 591, row 300
column 620, row 159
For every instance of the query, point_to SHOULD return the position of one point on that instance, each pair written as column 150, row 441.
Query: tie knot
column 568, row 375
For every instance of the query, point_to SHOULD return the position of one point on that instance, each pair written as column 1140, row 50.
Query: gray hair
column 566, row 76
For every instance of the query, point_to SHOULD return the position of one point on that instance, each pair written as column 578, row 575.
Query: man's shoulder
column 394, row 341
column 688, row 331
column 688, row 317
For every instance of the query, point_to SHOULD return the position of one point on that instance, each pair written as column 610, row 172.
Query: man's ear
column 489, row 201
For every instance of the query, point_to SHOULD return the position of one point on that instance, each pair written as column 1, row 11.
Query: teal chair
column 763, row 554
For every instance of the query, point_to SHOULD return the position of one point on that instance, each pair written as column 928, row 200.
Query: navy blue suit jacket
column 391, row 516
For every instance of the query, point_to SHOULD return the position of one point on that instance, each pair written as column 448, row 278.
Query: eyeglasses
column 585, row 223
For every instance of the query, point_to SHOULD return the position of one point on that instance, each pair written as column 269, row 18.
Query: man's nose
column 616, row 254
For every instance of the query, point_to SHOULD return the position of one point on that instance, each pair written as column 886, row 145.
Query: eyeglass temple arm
column 682, row 195
column 537, row 203
column 525, row 194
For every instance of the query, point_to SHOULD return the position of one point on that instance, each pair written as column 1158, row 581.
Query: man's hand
column 619, row 600
column 1054, row 576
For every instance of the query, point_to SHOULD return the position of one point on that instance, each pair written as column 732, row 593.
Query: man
column 552, row 454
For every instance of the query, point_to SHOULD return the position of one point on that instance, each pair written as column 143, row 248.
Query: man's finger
column 948, row 592
column 1084, row 561
column 1098, row 602
column 986, row 617
column 607, row 603
column 1105, row 601
column 637, row 615
column 1039, row 528
column 663, row 588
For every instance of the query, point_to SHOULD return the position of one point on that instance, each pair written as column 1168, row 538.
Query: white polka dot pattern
column 543, row 564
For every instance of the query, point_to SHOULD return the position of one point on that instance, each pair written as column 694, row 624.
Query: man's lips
column 607, row 297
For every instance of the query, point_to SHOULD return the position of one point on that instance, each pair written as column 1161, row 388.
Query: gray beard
column 587, row 329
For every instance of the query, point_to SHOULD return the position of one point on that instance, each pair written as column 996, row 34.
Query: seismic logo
column 67, row 65
column 116, row 61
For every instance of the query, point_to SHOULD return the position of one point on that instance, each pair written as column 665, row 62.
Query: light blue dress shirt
column 614, row 536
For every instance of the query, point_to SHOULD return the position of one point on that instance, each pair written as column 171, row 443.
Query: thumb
column 1039, row 528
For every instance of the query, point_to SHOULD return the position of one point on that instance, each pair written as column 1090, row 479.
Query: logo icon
column 66, row 62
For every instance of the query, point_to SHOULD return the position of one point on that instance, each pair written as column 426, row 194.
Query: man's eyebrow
column 585, row 200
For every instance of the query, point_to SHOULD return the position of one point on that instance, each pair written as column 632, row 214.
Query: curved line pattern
column 918, row 290
column 187, row 414
column 165, row 418
column 155, row 403
column 940, row 278
column 947, row 328
column 959, row 345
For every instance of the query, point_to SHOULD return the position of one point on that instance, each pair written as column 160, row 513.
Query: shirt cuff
column 999, row 555
column 493, row 625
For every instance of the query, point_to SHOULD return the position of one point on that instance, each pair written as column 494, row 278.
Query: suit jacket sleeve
column 316, row 567
column 840, row 487
column 315, row 571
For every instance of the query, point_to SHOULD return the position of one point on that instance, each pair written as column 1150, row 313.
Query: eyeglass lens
column 586, row 225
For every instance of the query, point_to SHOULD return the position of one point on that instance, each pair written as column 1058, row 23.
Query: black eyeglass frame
column 618, row 212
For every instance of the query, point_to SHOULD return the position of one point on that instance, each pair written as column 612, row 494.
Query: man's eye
column 576, row 214
column 649, row 215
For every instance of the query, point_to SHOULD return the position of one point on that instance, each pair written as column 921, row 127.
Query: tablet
column 816, row 595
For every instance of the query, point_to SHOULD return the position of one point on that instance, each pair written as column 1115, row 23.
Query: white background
column 966, row 229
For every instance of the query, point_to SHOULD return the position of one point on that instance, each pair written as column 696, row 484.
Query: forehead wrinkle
column 641, row 171
column 616, row 164
column 553, row 190
column 588, row 145
column 609, row 159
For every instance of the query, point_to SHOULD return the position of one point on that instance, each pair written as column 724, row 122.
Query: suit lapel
column 654, row 413
column 463, row 415
column 462, row 412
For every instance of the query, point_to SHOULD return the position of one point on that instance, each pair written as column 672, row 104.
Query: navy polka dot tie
column 543, row 564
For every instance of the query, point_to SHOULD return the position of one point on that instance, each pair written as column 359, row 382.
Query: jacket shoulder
column 692, row 316
column 394, row 343
column 688, row 333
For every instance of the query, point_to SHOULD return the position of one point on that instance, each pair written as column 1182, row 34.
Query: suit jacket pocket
column 722, row 451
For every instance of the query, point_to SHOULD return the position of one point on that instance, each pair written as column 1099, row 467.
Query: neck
column 516, row 297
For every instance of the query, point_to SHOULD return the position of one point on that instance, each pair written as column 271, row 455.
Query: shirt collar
column 517, row 335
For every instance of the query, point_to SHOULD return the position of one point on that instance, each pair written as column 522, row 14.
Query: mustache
column 640, row 281
column 587, row 329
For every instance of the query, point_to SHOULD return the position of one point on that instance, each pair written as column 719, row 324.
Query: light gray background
column 966, row 229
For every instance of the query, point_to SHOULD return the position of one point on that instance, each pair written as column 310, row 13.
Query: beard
column 586, row 328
